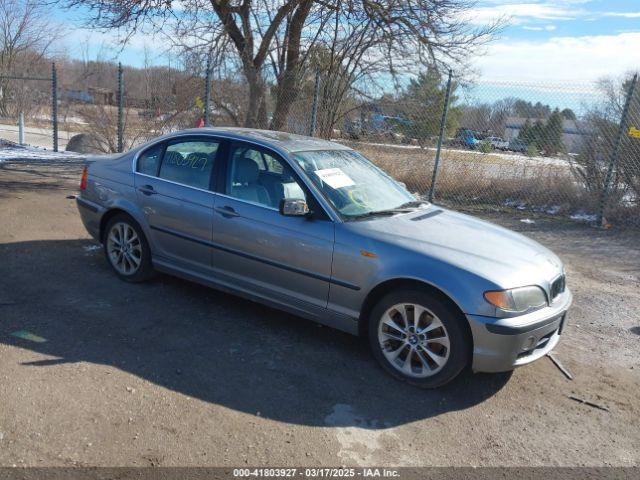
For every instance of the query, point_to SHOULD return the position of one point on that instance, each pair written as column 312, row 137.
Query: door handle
column 227, row 211
column 147, row 190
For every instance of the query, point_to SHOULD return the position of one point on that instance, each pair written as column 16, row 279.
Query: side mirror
column 294, row 207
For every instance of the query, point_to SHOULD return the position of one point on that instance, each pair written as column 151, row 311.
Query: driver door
column 284, row 259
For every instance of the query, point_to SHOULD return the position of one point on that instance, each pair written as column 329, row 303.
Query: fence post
column 21, row 129
column 207, row 92
column 314, row 107
column 614, row 154
column 443, row 124
column 120, row 109
column 54, row 105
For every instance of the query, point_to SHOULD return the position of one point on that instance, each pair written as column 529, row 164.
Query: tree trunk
column 287, row 94
column 256, row 116
column 288, row 87
column 5, row 93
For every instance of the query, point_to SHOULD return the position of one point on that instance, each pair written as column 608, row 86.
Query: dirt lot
column 171, row 373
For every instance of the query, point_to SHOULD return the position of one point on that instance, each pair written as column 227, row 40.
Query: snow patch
column 14, row 151
column 520, row 205
column 584, row 217
column 553, row 210
column 511, row 157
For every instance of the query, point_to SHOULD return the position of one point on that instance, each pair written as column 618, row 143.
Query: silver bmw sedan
column 312, row 227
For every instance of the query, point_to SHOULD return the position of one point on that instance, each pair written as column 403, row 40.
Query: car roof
column 271, row 138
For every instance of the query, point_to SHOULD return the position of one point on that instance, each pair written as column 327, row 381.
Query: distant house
column 103, row 96
column 96, row 95
column 574, row 132
column 75, row 95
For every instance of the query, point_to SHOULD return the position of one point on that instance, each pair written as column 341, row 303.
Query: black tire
column 460, row 343
column 145, row 270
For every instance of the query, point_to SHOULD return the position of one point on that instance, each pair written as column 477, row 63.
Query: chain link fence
column 566, row 150
column 569, row 150
column 497, row 152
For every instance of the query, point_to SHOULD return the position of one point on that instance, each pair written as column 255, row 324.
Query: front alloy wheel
column 419, row 337
column 414, row 340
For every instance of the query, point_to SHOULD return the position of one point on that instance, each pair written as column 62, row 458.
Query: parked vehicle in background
column 313, row 228
column 379, row 123
column 353, row 129
column 517, row 145
column 466, row 138
column 498, row 143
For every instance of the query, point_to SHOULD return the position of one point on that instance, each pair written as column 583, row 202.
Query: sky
column 549, row 43
column 561, row 39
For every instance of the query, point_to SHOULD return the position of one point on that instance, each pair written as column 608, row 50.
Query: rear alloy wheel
column 127, row 249
column 124, row 249
column 418, row 338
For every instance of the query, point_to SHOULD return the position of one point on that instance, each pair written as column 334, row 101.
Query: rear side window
column 190, row 163
column 149, row 160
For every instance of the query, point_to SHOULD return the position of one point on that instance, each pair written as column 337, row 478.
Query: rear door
column 285, row 259
column 173, row 184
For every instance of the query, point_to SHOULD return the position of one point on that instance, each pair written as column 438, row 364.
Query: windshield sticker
column 334, row 177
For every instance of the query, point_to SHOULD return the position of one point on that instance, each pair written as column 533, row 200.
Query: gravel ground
column 95, row 371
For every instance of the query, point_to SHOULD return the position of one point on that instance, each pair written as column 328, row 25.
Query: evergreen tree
column 537, row 133
column 422, row 103
column 545, row 136
column 527, row 133
column 551, row 141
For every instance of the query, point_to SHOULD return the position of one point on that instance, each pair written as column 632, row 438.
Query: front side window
column 352, row 183
column 149, row 160
column 190, row 163
column 256, row 176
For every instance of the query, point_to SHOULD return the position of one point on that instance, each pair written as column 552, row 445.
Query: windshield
column 352, row 183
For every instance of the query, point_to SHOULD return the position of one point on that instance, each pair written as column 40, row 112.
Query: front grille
column 557, row 287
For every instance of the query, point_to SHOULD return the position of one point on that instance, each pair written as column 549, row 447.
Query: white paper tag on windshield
column 334, row 177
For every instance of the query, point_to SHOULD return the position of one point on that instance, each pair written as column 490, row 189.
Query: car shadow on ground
column 59, row 298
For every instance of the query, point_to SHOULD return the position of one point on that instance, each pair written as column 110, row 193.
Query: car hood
column 506, row 258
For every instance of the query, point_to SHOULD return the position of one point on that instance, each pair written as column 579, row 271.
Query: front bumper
column 501, row 344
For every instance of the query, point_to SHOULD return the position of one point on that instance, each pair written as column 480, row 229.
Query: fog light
column 528, row 344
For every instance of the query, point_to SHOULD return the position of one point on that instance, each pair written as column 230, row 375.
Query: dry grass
column 489, row 181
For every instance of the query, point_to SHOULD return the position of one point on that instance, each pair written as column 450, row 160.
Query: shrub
column 532, row 150
column 485, row 147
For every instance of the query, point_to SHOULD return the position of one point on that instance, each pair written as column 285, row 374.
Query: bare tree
column 600, row 127
column 342, row 56
column 270, row 40
column 26, row 36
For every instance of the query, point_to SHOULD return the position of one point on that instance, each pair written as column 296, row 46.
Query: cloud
column 547, row 28
column 623, row 14
column 521, row 13
column 579, row 59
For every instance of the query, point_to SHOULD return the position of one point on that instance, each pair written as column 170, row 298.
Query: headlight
column 517, row 299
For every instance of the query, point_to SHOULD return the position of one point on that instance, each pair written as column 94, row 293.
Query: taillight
column 83, row 178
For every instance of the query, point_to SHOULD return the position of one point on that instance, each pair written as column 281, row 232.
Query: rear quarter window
column 149, row 160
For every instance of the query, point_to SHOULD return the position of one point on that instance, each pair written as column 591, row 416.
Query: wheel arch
column 108, row 215
column 396, row 283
